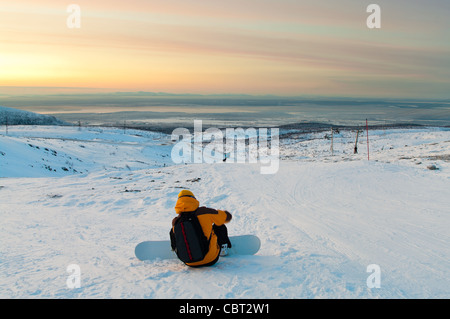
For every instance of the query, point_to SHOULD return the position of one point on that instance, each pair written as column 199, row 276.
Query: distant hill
column 11, row 116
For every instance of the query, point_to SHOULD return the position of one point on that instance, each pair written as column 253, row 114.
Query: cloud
column 248, row 46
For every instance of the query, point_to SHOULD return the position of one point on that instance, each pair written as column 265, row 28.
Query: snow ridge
column 11, row 116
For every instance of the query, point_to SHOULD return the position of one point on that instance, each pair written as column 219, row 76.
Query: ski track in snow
column 321, row 219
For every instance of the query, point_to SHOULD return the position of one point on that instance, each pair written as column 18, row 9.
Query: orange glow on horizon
column 256, row 47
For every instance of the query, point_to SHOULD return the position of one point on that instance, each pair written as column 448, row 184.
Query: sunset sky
column 283, row 47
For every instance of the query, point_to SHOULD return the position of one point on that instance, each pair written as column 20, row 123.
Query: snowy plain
column 88, row 196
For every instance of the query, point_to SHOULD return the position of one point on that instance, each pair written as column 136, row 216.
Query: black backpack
column 187, row 238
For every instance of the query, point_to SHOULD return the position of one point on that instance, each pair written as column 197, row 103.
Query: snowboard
column 151, row 250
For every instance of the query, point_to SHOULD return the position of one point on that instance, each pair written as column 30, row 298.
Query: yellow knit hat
column 186, row 192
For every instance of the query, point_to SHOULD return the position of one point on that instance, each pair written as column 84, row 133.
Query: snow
column 34, row 151
column 322, row 219
column 12, row 116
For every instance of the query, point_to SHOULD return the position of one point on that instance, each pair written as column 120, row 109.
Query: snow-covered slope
column 11, row 116
column 41, row 151
column 322, row 218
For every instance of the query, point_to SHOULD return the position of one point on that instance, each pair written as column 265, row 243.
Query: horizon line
column 106, row 91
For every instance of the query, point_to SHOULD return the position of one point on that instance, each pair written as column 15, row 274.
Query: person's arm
column 222, row 217
column 229, row 216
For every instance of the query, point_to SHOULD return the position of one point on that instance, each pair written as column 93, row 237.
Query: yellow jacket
column 207, row 217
